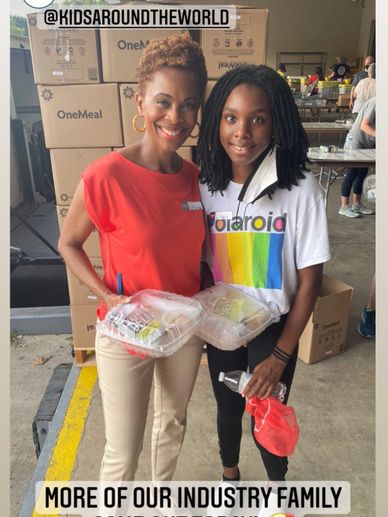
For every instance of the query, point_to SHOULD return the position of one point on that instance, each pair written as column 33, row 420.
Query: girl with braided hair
column 267, row 237
column 137, row 198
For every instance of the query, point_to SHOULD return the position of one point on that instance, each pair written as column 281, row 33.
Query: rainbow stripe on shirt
column 248, row 250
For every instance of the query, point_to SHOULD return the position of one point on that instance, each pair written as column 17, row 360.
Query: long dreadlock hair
column 289, row 136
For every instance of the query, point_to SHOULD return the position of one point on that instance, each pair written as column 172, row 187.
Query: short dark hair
column 176, row 51
column 289, row 136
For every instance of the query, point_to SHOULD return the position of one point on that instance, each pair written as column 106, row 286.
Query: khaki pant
column 125, row 383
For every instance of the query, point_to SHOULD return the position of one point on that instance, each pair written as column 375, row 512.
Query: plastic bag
column 276, row 426
column 153, row 324
column 369, row 188
column 232, row 317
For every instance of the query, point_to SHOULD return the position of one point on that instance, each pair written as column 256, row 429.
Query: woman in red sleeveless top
column 144, row 202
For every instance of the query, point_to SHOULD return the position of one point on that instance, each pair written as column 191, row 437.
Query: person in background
column 252, row 153
column 365, row 90
column 339, row 70
column 362, row 74
column 137, row 200
column 282, row 71
column 367, row 326
column 361, row 136
column 318, row 75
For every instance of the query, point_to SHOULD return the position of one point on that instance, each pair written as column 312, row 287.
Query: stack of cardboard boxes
column 86, row 84
column 82, row 121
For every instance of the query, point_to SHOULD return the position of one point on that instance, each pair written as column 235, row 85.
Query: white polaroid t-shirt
column 258, row 247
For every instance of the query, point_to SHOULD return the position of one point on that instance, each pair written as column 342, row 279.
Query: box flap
column 333, row 301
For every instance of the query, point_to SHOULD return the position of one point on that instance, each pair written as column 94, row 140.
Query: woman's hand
column 113, row 299
column 264, row 378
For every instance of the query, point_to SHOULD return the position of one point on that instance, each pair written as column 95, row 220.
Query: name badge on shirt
column 192, row 205
column 224, row 216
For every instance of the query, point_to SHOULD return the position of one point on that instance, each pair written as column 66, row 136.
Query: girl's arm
column 268, row 373
column 76, row 229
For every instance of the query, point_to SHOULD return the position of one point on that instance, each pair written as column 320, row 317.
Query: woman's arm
column 76, row 229
column 367, row 128
column 267, row 373
column 207, row 279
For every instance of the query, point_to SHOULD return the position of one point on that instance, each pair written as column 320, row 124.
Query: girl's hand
column 113, row 299
column 264, row 378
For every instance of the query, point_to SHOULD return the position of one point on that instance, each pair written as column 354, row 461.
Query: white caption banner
column 190, row 499
column 140, row 17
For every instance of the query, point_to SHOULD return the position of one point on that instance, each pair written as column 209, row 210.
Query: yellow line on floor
column 65, row 451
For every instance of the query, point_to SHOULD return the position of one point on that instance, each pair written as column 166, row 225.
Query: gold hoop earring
column 199, row 127
column 134, row 126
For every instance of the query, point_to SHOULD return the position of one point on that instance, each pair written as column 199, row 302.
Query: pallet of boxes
column 86, row 82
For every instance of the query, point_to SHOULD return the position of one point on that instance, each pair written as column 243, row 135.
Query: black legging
column 354, row 178
column 231, row 405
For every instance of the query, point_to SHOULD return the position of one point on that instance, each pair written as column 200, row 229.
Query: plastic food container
column 231, row 318
column 344, row 88
column 154, row 323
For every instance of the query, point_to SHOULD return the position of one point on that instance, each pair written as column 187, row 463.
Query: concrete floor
column 334, row 399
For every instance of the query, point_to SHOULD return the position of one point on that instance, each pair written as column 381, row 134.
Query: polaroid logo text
column 249, row 224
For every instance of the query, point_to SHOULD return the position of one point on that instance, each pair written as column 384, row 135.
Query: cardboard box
column 83, row 322
column 128, row 111
column 121, row 50
column 325, row 332
column 230, row 48
column 343, row 100
column 186, row 153
column 81, row 115
column 92, row 243
column 67, row 166
column 64, row 56
column 79, row 293
column 209, row 87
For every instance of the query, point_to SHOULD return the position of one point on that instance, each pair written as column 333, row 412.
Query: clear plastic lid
column 154, row 323
column 231, row 318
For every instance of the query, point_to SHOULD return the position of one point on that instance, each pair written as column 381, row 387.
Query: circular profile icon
column 38, row 4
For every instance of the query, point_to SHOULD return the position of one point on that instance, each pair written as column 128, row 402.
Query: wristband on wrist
column 281, row 354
